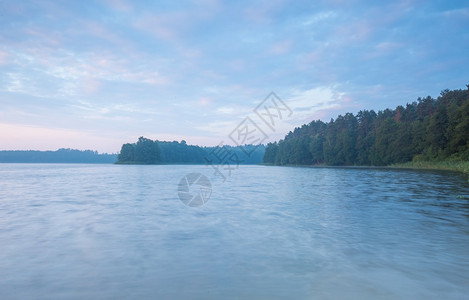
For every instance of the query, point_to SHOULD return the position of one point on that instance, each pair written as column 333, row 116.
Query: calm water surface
column 120, row 232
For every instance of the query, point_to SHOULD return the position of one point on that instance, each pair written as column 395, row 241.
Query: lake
column 72, row 231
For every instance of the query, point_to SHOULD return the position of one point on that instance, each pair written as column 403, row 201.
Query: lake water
column 121, row 232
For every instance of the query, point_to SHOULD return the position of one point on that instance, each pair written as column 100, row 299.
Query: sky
column 97, row 74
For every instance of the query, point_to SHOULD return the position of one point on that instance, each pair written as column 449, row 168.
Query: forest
column 58, row 156
column 425, row 130
column 147, row 151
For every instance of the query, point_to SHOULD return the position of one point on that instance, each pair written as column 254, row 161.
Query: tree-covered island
column 147, row 151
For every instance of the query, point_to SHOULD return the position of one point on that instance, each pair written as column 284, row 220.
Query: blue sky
column 97, row 74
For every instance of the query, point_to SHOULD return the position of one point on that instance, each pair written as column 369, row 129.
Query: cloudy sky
column 97, row 74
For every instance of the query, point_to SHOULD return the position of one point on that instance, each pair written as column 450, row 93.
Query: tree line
column 425, row 130
column 147, row 151
column 58, row 156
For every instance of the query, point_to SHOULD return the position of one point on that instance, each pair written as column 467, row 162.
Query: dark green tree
column 270, row 153
column 146, row 151
column 127, row 153
column 427, row 129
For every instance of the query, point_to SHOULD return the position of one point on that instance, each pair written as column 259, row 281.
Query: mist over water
column 112, row 231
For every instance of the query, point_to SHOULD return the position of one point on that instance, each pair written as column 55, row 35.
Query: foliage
column 58, row 156
column 451, row 165
column 146, row 151
column 425, row 130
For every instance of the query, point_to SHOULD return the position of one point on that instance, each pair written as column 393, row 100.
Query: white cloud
column 14, row 82
column 461, row 12
column 307, row 103
column 218, row 128
column 225, row 110
column 318, row 17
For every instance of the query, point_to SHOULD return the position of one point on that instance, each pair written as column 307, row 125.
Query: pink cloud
column 371, row 21
column 264, row 12
column 102, row 32
column 3, row 58
column 204, row 101
column 119, row 5
column 172, row 26
column 166, row 27
column 359, row 31
column 381, row 49
column 281, row 48
column 152, row 78
column 310, row 58
column 51, row 39
column 91, row 85
column 23, row 137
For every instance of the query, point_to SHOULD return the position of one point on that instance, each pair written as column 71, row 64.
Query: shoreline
column 455, row 166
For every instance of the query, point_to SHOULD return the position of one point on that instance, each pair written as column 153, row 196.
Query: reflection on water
column 109, row 231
